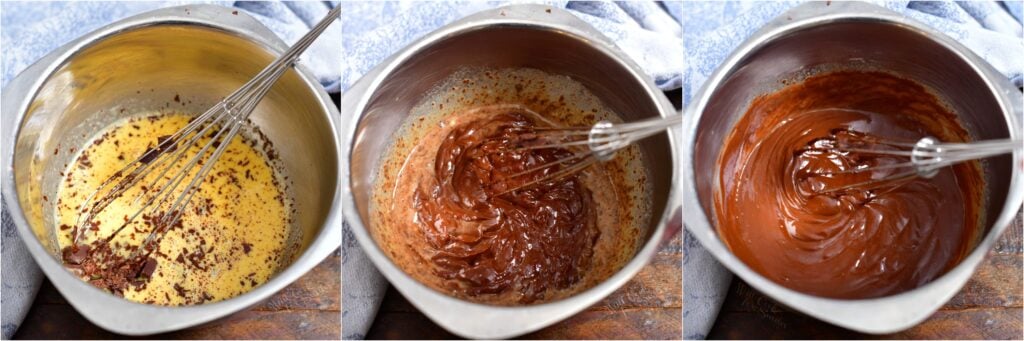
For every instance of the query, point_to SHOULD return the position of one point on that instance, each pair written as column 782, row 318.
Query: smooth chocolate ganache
column 448, row 208
column 784, row 208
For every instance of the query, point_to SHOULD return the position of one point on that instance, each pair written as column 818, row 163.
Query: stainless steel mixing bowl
column 517, row 36
column 199, row 54
column 818, row 37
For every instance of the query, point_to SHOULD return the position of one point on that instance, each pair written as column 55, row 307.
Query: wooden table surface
column 310, row 308
column 647, row 307
column 988, row 307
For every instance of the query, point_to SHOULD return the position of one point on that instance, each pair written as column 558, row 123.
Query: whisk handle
column 300, row 46
column 929, row 155
column 654, row 123
column 245, row 98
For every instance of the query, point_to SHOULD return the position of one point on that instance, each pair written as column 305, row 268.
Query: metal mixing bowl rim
column 809, row 16
column 582, row 299
column 242, row 27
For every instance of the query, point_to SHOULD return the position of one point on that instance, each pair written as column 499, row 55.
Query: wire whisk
column 159, row 200
column 923, row 158
column 592, row 144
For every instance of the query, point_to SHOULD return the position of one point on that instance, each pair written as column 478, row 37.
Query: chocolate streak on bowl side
column 435, row 212
column 847, row 244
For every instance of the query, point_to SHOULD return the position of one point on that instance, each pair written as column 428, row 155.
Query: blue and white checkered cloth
column 649, row 32
column 711, row 30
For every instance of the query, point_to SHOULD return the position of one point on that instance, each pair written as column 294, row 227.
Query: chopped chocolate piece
column 84, row 162
column 75, row 254
column 148, row 268
column 181, row 290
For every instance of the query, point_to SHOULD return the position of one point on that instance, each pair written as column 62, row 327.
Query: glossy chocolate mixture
column 532, row 238
column 443, row 212
column 782, row 207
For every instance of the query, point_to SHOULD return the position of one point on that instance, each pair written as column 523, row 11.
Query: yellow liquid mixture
column 234, row 234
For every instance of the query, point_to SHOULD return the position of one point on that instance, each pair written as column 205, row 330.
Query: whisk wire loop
column 599, row 143
column 923, row 159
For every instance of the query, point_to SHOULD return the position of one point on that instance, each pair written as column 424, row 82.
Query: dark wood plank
column 998, row 283
column 622, row 324
column 1012, row 240
column 63, row 322
column 996, row 323
column 647, row 307
column 657, row 285
column 310, row 308
column 404, row 325
column 319, row 289
column 632, row 324
column 990, row 306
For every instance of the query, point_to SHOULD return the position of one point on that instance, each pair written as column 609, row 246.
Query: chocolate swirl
column 485, row 241
column 779, row 209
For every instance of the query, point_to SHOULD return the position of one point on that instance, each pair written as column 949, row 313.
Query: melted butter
column 234, row 235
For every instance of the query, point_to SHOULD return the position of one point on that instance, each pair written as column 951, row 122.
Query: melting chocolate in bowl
column 442, row 209
column 235, row 233
column 532, row 238
column 776, row 212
